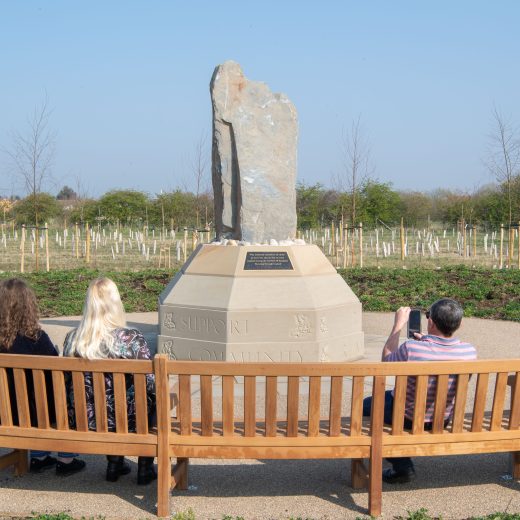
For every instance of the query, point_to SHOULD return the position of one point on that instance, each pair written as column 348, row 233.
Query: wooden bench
column 266, row 411
column 330, row 424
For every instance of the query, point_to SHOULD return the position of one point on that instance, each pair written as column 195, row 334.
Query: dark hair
column 18, row 312
column 447, row 315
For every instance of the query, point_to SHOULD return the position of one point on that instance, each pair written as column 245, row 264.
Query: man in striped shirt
column 444, row 318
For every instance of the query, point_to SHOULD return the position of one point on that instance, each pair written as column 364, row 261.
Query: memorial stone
column 255, row 136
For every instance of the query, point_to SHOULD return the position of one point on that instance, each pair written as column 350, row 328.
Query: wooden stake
column 87, row 243
column 511, row 245
column 76, row 234
column 402, row 240
column 47, row 263
column 22, row 246
column 501, row 257
column 361, row 244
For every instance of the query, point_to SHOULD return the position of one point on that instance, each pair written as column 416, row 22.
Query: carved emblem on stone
column 303, row 326
column 169, row 322
column 323, row 326
column 324, row 354
column 168, row 349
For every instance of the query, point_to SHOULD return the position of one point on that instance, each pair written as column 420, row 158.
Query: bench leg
column 180, row 473
column 163, row 484
column 358, row 474
column 516, row 465
column 375, row 488
column 18, row 459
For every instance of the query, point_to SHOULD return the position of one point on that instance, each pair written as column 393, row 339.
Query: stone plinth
column 259, row 303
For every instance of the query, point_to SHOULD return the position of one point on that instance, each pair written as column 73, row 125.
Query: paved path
column 453, row 487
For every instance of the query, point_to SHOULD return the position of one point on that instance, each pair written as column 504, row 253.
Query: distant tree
column 200, row 170
column 43, row 204
column 308, row 205
column 451, row 206
column 504, row 155
column 127, row 206
column 177, row 207
column 379, row 202
column 67, row 193
column 85, row 211
column 357, row 167
column 489, row 208
column 32, row 154
column 416, row 207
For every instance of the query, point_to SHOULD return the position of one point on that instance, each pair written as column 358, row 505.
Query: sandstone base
column 259, row 303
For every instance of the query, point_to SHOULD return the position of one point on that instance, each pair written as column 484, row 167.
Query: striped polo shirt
column 432, row 348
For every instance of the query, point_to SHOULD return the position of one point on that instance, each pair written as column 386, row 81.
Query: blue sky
column 128, row 84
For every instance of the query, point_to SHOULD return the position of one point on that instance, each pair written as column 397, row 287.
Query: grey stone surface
column 254, row 158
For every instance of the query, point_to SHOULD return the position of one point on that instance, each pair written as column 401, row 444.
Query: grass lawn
column 486, row 293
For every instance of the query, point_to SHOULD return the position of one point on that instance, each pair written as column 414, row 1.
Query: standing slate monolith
column 255, row 136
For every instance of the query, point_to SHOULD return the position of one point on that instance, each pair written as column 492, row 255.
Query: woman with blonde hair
column 103, row 334
column 20, row 333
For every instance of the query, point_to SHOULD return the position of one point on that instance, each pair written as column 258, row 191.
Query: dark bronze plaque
column 267, row 261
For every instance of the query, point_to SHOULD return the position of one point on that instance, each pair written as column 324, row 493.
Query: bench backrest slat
column 22, row 398
column 356, row 410
column 184, row 412
column 60, row 400
column 228, row 405
column 40, row 397
column 421, row 388
column 499, row 398
column 100, row 402
column 313, row 423
column 480, row 402
column 141, row 409
column 293, row 401
column 206, row 405
column 441, row 395
column 514, row 418
column 120, row 403
column 6, row 418
column 80, row 401
column 461, row 394
column 399, row 404
column 271, row 405
column 336, row 391
column 249, row 406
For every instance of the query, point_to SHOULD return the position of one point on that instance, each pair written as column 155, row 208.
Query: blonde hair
column 102, row 313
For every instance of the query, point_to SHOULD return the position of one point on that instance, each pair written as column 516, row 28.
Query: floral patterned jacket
column 130, row 344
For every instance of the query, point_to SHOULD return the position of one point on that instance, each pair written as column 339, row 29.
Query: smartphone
column 414, row 323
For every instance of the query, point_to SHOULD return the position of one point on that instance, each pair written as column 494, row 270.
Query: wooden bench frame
column 260, row 432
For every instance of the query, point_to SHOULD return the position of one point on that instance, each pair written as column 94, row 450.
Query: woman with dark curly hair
column 103, row 334
column 20, row 333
